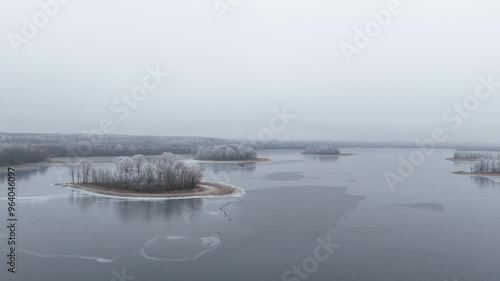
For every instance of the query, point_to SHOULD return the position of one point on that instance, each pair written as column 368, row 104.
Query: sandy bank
column 462, row 160
column 204, row 189
column 477, row 174
column 341, row 154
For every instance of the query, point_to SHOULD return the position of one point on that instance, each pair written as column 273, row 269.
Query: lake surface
column 435, row 226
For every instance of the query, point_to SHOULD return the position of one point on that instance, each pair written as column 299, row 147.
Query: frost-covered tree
column 166, row 173
column 322, row 150
column 125, row 168
column 139, row 160
column 486, row 166
column 229, row 152
column 466, row 155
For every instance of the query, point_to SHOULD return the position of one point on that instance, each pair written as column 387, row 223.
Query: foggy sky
column 227, row 77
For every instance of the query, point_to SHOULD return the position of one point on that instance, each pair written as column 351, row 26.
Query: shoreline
column 59, row 161
column 46, row 163
column 29, row 166
column 462, row 160
column 341, row 154
column 233, row 161
column 204, row 190
column 477, row 174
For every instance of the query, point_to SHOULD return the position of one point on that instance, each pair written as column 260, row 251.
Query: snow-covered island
column 325, row 150
column 227, row 154
column 484, row 167
column 166, row 177
column 464, row 156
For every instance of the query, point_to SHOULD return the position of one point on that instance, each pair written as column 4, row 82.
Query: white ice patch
column 210, row 242
column 172, row 237
column 38, row 199
column 97, row 259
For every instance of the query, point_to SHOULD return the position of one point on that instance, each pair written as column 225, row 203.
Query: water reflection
column 230, row 167
column 321, row 158
column 145, row 210
column 26, row 174
column 484, row 182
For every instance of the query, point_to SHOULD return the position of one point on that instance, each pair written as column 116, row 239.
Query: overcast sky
column 228, row 76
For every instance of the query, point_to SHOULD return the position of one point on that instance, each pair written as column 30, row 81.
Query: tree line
column 475, row 155
column 25, row 148
column 20, row 154
column 137, row 173
column 489, row 166
column 229, row 152
column 322, row 150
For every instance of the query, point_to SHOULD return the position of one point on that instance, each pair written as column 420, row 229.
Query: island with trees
column 165, row 177
column 484, row 167
column 228, row 153
column 473, row 156
column 324, row 150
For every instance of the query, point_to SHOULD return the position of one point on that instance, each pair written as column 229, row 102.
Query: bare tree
column 84, row 167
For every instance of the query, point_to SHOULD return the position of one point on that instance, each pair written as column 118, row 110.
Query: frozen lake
column 435, row 226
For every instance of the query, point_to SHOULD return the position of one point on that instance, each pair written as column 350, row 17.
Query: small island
column 464, row 156
column 228, row 154
column 166, row 177
column 325, row 150
column 484, row 167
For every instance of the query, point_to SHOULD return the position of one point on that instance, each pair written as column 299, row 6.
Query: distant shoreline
column 204, row 189
column 340, row 154
column 477, row 174
column 233, row 161
column 60, row 161
column 462, row 159
column 29, row 166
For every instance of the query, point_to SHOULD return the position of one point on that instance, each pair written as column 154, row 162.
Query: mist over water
column 227, row 78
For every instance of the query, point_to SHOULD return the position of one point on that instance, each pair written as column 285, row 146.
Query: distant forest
column 17, row 148
column 26, row 148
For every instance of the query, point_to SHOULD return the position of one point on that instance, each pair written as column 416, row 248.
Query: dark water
column 435, row 226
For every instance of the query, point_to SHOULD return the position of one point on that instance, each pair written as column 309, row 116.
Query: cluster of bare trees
column 322, row 150
column 475, row 155
column 167, row 173
column 484, row 165
column 226, row 152
column 82, row 171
